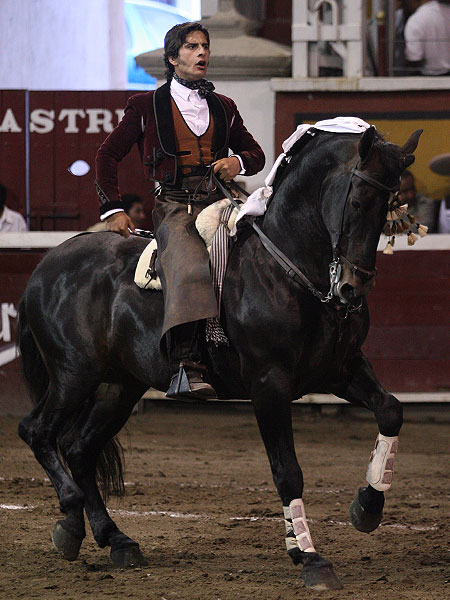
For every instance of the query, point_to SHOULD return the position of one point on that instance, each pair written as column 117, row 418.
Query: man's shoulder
column 226, row 101
column 141, row 100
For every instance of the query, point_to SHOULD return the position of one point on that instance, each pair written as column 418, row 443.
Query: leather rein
column 335, row 267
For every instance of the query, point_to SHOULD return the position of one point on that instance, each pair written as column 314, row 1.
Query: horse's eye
column 356, row 204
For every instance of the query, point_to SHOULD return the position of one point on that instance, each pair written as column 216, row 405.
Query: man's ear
column 173, row 61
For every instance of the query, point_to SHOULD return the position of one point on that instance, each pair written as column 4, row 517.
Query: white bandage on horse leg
column 381, row 466
column 297, row 530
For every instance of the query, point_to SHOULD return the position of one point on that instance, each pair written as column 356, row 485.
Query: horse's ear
column 411, row 144
column 366, row 143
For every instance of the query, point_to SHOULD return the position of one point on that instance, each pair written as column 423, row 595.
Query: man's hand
column 119, row 222
column 227, row 168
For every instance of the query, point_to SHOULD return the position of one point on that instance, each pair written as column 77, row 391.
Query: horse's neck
column 294, row 224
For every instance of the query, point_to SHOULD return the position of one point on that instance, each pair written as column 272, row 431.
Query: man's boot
column 188, row 381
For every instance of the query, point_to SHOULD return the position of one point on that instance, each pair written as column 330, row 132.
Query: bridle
column 335, row 267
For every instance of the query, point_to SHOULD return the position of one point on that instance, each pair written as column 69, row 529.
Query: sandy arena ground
column 201, row 502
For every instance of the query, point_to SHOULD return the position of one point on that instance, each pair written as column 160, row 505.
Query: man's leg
column 184, row 351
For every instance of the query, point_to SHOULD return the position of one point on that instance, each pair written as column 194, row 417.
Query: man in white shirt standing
column 10, row 220
column 181, row 129
column 427, row 38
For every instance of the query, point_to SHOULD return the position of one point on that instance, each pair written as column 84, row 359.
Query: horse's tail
column 33, row 366
column 110, row 469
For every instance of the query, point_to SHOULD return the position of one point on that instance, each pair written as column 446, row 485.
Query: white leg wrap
column 297, row 530
column 381, row 464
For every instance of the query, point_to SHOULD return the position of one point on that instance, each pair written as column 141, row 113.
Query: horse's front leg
column 272, row 407
column 364, row 389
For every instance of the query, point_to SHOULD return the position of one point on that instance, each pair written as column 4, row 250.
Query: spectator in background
column 10, row 220
column 424, row 209
column 427, row 38
column 133, row 206
column 405, row 8
column 441, row 165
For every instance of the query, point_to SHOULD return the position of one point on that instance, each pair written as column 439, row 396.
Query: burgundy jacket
column 148, row 122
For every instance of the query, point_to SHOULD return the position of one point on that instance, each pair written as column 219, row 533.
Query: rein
column 291, row 270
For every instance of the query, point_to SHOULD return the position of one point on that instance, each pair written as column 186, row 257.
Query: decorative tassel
column 422, row 230
column 389, row 249
column 412, row 237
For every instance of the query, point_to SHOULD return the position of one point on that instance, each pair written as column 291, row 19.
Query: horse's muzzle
column 351, row 290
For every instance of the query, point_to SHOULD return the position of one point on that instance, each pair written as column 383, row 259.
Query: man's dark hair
column 2, row 196
column 173, row 41
column 128, row 200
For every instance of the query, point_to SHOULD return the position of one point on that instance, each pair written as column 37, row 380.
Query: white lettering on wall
column 7, row 311
column 41, row 120
column 9, row 123
column 97, row 117
column 71, row 114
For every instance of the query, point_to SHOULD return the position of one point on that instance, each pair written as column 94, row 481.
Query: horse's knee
column 389, row 415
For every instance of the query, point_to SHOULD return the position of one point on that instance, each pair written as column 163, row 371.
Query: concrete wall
column 256, row 103
column 62, row 45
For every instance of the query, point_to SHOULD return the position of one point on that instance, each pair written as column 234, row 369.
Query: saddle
column 217, row 219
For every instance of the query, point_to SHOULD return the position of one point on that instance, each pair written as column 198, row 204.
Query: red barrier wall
column 408, row 344
column 58, row 128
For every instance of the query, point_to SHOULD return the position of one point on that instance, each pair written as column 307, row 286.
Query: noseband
column 335, row 268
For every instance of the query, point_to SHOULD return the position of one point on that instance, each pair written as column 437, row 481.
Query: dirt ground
column 201, row 502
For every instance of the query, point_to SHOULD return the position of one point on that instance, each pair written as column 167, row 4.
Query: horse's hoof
column 127, row 556
column 321, row 578
column 361, row 519
column 66, row 543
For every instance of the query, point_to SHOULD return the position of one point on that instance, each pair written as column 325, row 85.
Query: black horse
column 89, row 338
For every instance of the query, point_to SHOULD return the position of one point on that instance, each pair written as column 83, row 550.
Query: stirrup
column 181, row 388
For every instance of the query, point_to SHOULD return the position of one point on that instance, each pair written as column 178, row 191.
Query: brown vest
column 196, row 149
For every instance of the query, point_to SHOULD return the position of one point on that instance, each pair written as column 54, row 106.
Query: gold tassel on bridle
column 400, row 221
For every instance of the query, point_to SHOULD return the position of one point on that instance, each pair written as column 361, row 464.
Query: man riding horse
column 181, row 129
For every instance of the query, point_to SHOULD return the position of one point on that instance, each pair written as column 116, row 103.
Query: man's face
column 407, row 189
column 137, row 215
column 193, row 57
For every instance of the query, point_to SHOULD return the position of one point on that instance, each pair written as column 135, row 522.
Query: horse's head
column 356, row 215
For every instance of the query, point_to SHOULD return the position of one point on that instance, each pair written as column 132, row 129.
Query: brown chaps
column 182, row 266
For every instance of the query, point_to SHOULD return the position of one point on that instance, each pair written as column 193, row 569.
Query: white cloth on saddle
column 256, row 203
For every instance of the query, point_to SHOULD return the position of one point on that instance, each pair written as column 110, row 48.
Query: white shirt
column 12, row 221
column 195, row 111
column 427, row 37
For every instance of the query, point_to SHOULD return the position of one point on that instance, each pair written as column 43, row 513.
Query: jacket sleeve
column 117, row 145
column 243, row 143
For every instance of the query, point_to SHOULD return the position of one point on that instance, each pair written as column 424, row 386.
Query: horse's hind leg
column 82, row 447
column 273, row 413
column 364, row 389
column 40, row 430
